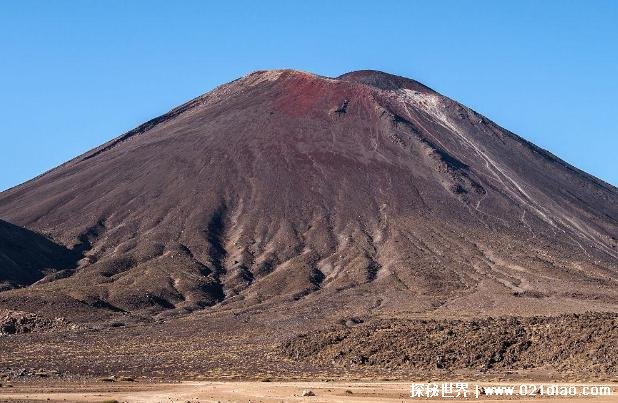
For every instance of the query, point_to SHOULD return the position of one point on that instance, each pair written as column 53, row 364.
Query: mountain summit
column 293, row 192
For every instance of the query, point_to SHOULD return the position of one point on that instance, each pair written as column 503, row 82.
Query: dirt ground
column 256, row 392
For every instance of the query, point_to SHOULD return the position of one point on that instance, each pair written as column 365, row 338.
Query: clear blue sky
column 74, row 74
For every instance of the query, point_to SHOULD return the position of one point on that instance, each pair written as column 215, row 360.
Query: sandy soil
column 246, row 392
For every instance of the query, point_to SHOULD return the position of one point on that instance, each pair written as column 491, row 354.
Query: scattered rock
column 581, row 342
column 353, row 321
column 17, row 322
column 307, row 392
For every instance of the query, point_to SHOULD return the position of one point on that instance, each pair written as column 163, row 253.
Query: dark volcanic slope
column 26, row 257
column 368, row 192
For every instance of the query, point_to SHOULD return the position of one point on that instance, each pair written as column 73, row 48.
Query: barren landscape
column 349, row 392
column 289, row 226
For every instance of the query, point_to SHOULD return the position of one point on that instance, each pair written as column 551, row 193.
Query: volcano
column 292, row 192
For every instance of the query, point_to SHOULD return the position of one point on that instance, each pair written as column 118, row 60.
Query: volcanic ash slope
column 363, row 193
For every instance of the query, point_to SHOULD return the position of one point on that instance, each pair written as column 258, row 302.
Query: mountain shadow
column 27, row 256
